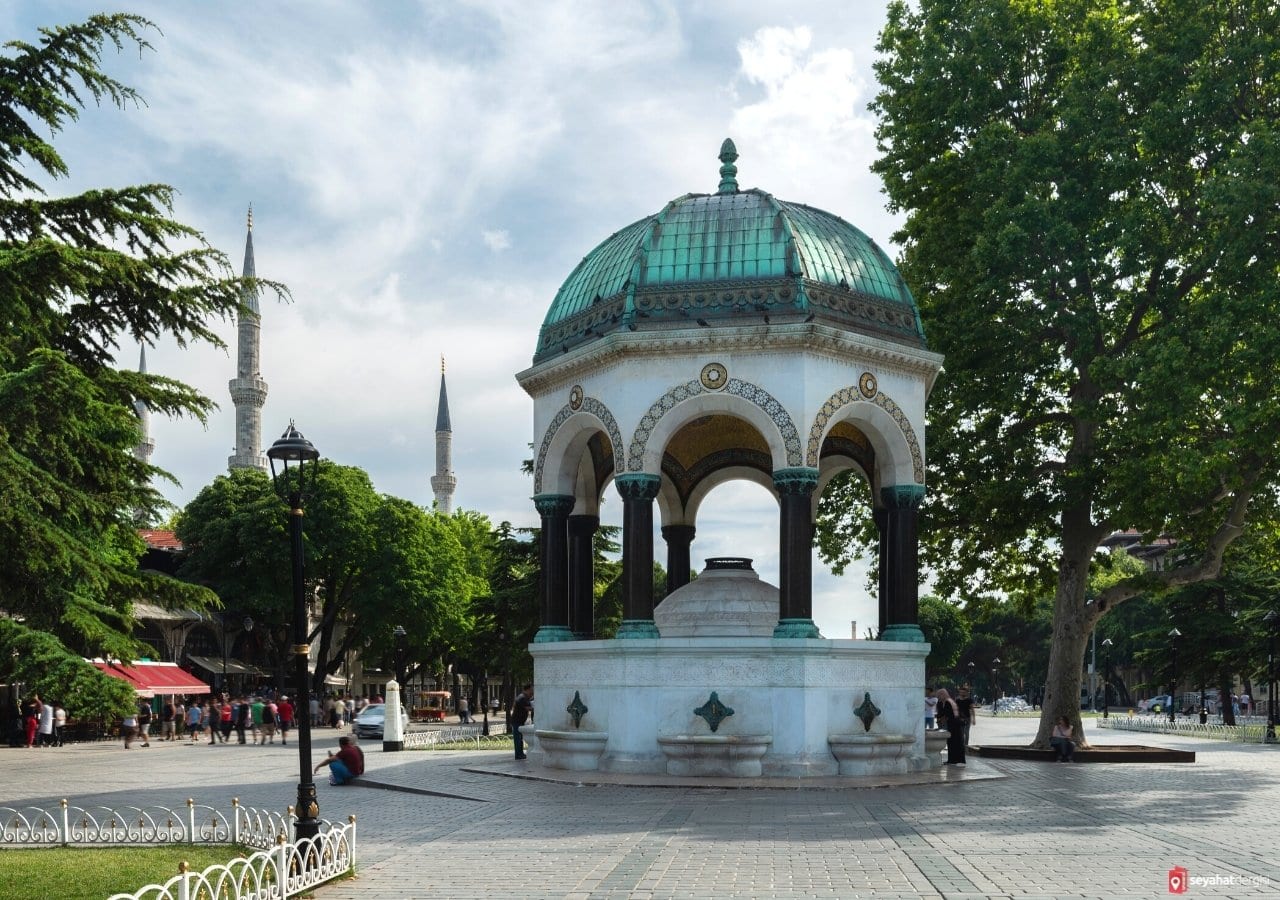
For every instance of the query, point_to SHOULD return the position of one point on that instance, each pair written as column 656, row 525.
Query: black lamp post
column 1272, row 621
column 971, row 668
column 401, row 637
column 296, row 449
column 995, row 686
column 1106, row 672
column 484, row 702
column 1174, row 634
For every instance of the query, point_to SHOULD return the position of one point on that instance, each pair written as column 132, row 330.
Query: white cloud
column 497, row 240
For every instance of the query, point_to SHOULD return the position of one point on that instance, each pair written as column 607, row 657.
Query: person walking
column 144, row 723
column 464, row 711
column 211, row 719
column 950, row 718
column 964, row 702
column 31, row 719
column 521, row 711
column 59, row 725
column 930, row 709
column 285, row 710
column 242, row 718
column 270, row 715
column 129, row 728
column 194, row 713
column 166, row 720
column 46, row 725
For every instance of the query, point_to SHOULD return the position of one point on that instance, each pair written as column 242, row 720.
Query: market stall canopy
column 151, row 678
column 233, row 666
column 153, row 613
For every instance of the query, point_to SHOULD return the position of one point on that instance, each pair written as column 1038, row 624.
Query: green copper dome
column 732, row 258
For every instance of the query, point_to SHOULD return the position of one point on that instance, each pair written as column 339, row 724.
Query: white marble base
column 797, row 692
column 575, row 751
column 935, row 746
column 871, row 754
column 717, row 755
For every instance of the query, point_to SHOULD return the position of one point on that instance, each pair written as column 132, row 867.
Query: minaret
column 443, row 482
column 248, row 390
column 147, row 445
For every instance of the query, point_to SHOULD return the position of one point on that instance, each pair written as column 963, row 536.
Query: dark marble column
column 638, row 492
column 582, row 578
column 902, row 574
column 678, row 538
column 881, row 516
column 795, row 488
column 554, row 557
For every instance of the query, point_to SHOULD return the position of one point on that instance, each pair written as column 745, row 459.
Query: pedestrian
column 1062, row 741
column 285, row 710
column 950, row 718
column 313, row 707
column 46, row 725
column 242, row 719
column 521, row 711
column 1246, row 704
column 346, row 764
column 339, row 715
column 255, row 718
column 129, row 728
column 31, row 719
column 464, row 711
column 193, row 721
column 179, row 719
column 226, row 721
column 270, row 713
column 211, row 719
column 964, row 702
column 144, row 723
column 59, row 725
column 930, row 709
column 166, row 720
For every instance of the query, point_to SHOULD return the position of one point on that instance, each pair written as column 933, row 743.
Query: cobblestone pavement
column 1044, row 830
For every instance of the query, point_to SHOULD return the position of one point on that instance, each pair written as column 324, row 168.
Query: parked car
column 1159, row 704
column 373, row 717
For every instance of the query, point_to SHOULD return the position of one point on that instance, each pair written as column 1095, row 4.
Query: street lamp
column 296, row 449
column 401, row 636
column 1272, row 621
column 247, row 625
column 484, row 701
column 995, row 686
column 1174, row 634
column 1106, row 671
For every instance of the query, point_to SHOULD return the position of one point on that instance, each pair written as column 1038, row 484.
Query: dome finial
column 728, row 171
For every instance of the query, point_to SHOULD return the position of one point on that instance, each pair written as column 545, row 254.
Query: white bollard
column 392, row 729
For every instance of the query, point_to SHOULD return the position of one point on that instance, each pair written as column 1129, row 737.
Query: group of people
column 37, row 723
column 253, row 720
column 954, row 715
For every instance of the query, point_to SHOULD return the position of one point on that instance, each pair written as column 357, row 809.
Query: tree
column 79, row 275
column 1092, row 200
column 946, row 630
column 372, row 562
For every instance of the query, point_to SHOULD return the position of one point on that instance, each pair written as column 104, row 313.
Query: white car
column 372, row 718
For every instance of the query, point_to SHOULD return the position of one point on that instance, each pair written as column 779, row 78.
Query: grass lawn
column 73, row 873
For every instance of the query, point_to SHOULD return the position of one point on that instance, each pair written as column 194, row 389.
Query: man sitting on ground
column 346, row 764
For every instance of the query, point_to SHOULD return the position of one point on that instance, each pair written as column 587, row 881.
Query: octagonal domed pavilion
column 728, row 336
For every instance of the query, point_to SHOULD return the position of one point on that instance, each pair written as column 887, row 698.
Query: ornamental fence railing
column 278, row 868
column 1249, row 733
column 452, row 735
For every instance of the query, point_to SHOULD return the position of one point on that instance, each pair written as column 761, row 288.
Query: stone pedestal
column 935, row 745
column 575, row 751
column 871, row 754
column 715, row 755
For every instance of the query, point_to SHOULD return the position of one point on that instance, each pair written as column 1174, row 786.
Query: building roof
column 160, row 538
column 151, row 678
column 733, row 257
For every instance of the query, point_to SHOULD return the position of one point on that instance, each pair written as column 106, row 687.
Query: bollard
column 392, row 729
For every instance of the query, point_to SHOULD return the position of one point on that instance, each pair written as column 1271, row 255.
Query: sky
column 424, row 176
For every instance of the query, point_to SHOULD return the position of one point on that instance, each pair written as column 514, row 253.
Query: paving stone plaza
column 998, row 828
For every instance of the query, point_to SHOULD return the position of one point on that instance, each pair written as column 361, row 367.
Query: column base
column 637, row 629
column 796, row 628
column 550, row 634
column 392, row 746
column 907, row 633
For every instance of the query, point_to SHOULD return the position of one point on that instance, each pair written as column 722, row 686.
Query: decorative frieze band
column 578, row 403
column 867, row 391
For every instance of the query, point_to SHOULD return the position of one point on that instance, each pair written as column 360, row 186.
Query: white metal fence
column 1249, row 733
column 452, row 735
column 277, row 868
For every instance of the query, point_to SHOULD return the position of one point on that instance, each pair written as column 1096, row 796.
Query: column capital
column 678, row 533
column 638, row 485
column 796, row 480
column 902, row 496
column 553, row 504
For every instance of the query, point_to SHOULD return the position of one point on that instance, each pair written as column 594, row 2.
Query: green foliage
column 373, row 563
column 43, row 666
column 80, row 275
column 945, row 628
column 1091, row 194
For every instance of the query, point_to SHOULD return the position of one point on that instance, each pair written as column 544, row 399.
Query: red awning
column 151, row 678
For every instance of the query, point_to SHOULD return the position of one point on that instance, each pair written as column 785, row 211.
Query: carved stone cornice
column 814, row 337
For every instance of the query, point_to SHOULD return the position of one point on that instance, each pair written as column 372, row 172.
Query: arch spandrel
column 898, row 455
column 565, row 442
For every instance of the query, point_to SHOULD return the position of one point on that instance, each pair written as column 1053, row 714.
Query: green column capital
column 796, row 480
column 902, row 496
column 638, row 486
column 553, row 504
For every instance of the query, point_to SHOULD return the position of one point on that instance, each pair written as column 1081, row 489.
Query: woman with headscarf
column 949, row 718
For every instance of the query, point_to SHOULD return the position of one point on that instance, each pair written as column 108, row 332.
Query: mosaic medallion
column 714, row 376
column 575, row 397
column 713, row 711
column 867, row 384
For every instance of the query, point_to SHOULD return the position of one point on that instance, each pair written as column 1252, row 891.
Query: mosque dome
column 731, row 259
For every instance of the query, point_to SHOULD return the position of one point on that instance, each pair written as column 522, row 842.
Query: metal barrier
column 278, row 868
column 450, row 735
column 1248, row 733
